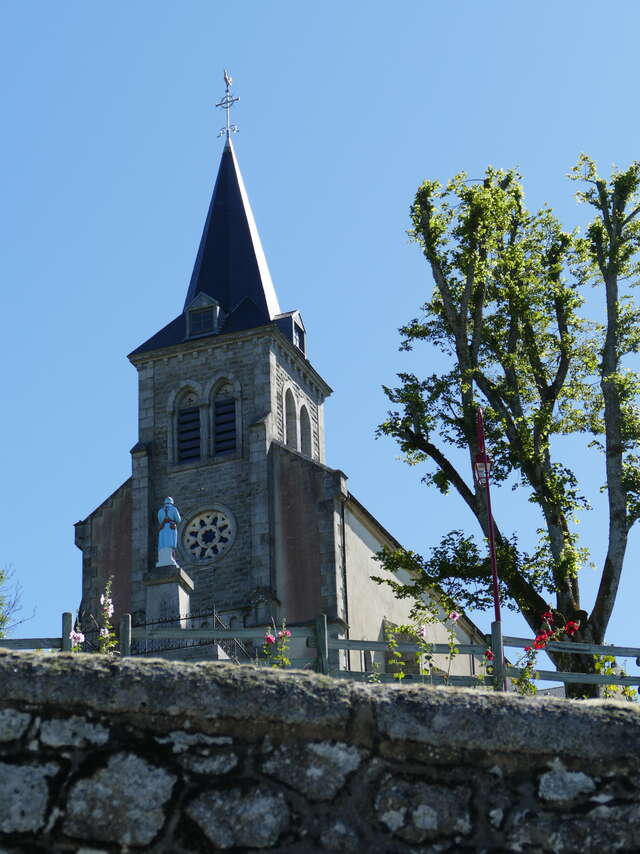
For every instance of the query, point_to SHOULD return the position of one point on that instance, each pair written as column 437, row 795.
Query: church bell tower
column 223, row 388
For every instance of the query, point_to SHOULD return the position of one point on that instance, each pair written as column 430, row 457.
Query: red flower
column 541, row 640
column 527, row 649
column 548, row 616
column 488, row 655
column 571, row 627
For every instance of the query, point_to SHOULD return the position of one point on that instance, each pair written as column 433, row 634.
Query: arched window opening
column 290, row 420
column 305, row 432
column 224, row 421
column 188, row 431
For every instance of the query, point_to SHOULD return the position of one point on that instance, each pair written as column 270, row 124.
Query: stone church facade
column 231, row 427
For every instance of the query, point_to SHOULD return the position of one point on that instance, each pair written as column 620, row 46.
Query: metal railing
column 321, row 637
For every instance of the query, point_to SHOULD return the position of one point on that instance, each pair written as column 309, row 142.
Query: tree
column 10, row 592
column 507, row 312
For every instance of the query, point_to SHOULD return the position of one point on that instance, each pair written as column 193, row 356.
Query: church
column 231, row 427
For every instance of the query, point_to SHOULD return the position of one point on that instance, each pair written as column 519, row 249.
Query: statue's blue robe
column 168, row 537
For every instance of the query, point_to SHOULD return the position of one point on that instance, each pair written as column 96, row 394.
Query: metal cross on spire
column 226, row 103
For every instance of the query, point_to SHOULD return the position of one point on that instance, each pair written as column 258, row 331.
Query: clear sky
column 109, row 153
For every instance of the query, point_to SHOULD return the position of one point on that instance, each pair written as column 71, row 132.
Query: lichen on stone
column 340, row 837
column 122, row 803
column 212, row 766
column 13, row 724
column 319, row 769
column 72, row 732
column 231, row 818
column 182, row 741
column 417, row 811
column 559, row 785
column 24, row 795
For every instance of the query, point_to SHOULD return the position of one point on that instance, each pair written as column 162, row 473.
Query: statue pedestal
column 169, row 590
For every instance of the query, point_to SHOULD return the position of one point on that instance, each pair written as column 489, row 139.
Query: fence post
column 125, row 635
column 322, row 644
column 67, row 627
column 497, row 648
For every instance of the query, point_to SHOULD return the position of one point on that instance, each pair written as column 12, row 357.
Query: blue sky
column 109, row 154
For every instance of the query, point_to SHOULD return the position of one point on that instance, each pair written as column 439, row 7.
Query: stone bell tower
column 218, row 386
column 231, row 428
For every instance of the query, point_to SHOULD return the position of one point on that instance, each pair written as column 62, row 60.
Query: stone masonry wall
column 105, row 539
column 100, row 755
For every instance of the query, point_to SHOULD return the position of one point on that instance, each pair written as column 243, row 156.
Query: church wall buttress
column 305, row 524
column 105, row 540
column 140, row 515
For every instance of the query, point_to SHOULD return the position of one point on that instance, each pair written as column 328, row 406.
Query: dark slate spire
column 230, row 265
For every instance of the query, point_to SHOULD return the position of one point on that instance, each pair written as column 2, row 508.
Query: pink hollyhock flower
column 107, row 604
column 454, row 615
column 269, row 639
column 571, row 627
column 285, row 634
column 423, row 632
column 104, row 633
column 76, row 637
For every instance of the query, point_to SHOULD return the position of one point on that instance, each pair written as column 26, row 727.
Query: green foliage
column 524, row 684
column 456, row 572
column 395, row 657
column 507, row 311
column 276, row 646
column 606, row 665
column 107, row 641
column 425, row 614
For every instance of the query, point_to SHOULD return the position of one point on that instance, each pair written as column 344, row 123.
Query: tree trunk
column 577, row 663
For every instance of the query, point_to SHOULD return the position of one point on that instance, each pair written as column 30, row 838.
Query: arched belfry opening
column 305, row 432
column 225, row 438
column 188, row 427
column 291, row 425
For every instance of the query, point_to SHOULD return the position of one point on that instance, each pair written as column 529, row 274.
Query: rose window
column 209, row 534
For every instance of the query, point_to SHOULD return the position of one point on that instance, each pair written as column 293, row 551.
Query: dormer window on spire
column 298, row 336
column 201, row 321
column 203, row 316
column 290, row 324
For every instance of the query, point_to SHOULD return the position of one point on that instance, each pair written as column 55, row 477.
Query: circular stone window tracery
column 209, row 535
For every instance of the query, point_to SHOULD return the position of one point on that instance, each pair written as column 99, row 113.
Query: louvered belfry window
column 224, row 424
column 188, row 430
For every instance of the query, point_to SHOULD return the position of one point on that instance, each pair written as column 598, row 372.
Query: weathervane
column 226, row 103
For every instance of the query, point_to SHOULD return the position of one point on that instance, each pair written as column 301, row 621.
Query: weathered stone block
column 24, row 795
column 560, row 785
column 417, row 812
column 231, row 818
column 122, row 803
column 318, row 770
column 72, row 732
column 13, row 724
